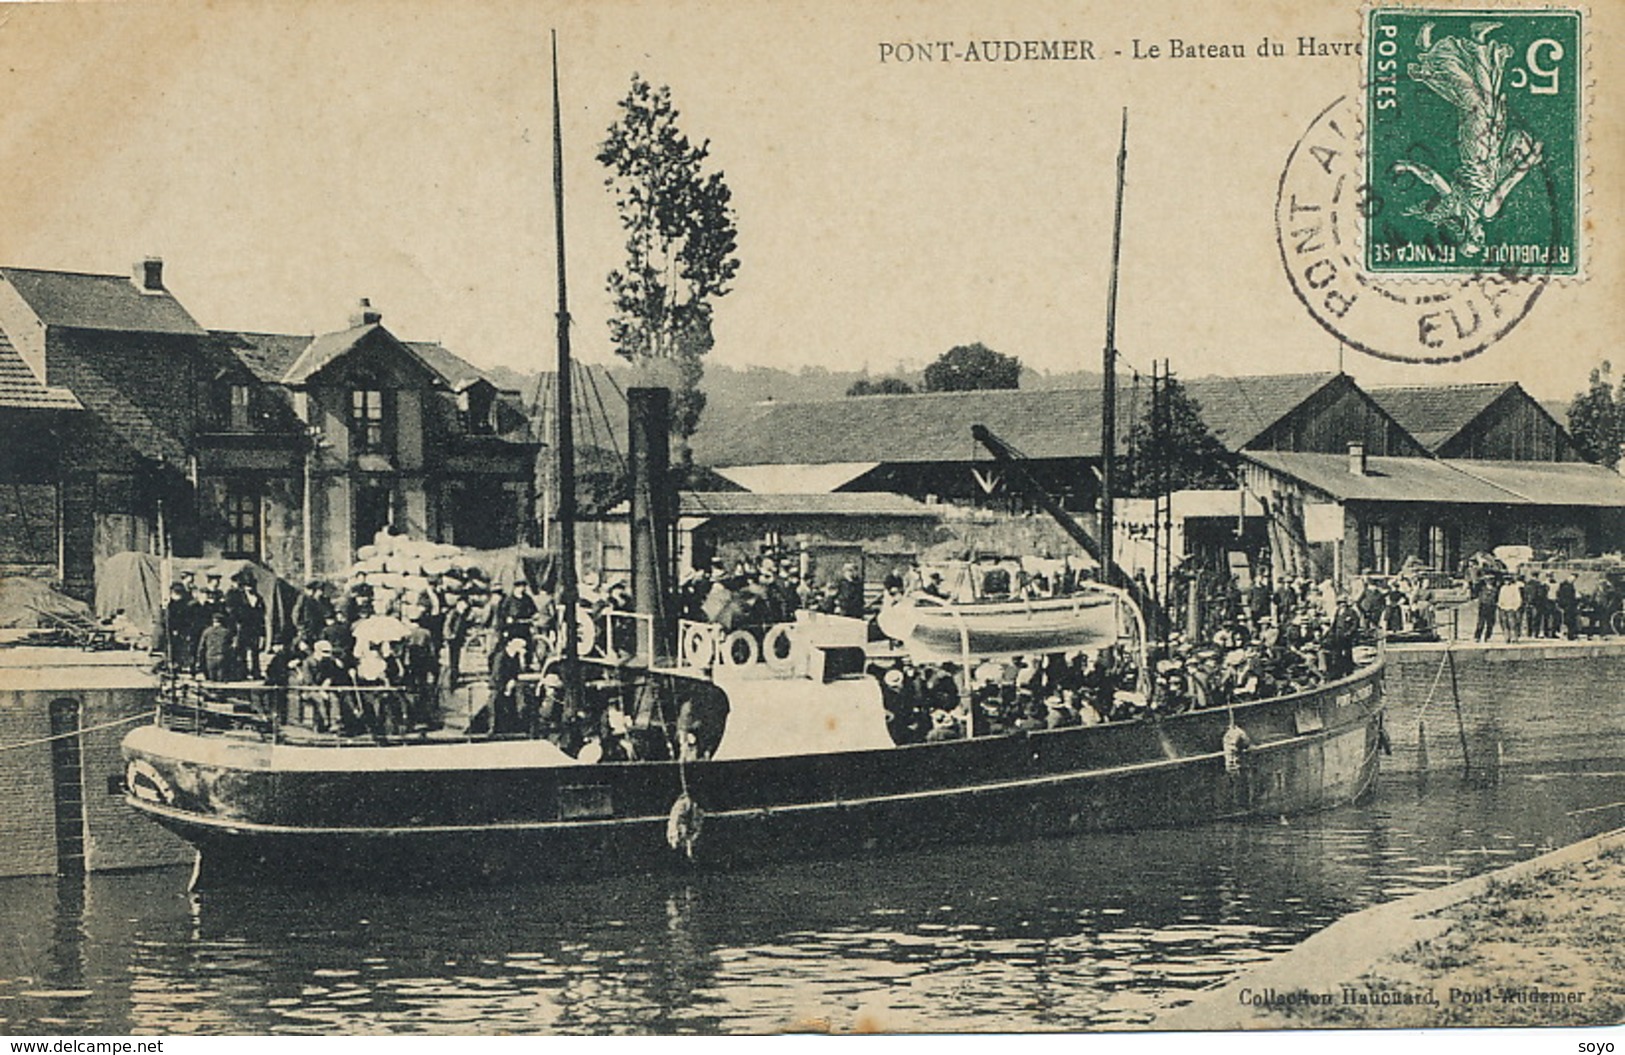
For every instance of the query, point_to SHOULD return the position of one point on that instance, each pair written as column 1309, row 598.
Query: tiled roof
column 328, row 348
column 453, row 369
column 99, row 302
column 324, row 350
column 21, row 389
column 271, row 356
column 267, row 355
column 935, row 427
column 1452, row 480
column 1238, row 409
column 1436, row 414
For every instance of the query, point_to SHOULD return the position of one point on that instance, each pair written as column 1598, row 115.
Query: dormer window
column 231, row 406
column 478, row 406
column 367, row 418
column 239, row 421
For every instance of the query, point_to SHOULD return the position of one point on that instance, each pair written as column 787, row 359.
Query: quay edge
column 1355, row 946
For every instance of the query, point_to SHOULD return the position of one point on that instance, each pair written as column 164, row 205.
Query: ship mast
column 564, row 412
column 1108, row 393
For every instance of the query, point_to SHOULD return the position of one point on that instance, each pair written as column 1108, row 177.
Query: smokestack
column 1357, row 464
column 365, row 314
column 653, row 509
column 149, row 275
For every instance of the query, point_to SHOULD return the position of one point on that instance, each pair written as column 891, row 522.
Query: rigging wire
column 609, row 427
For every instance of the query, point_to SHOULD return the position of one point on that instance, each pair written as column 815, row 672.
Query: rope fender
column 683, row 825
column 1235, row 743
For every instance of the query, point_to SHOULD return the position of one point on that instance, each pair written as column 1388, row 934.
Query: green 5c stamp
column 1472, row 141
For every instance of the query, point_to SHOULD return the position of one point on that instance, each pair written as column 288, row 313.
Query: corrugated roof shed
column 1552, row 483
column 99, row 302
column 935, row 427
column 21, row 389
column 1436, row 414
column 1452, row 480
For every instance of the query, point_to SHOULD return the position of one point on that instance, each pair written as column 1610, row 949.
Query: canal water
column 1064, row 934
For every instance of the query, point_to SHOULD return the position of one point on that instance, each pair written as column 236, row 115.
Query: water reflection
column 1058, row 934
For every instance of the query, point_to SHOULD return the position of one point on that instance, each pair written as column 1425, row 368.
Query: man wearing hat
column 358, row 602
column 319, row 670
column 622, row 634
column 210, row 598
column 849, row 592
column 214, row 650
column 1340, row 638
column 515, row 611
column 311, row 612
column 245, row 610
column 458, row 621
column 179, row 630
column 507, row 663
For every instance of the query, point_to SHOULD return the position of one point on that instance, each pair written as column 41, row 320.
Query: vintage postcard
column 538, row 517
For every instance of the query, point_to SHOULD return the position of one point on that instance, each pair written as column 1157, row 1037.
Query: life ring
column 683, row 825
column 1235, row 743
column 586, row 632
column 739, row 649
column 142, row 779
column 700, row 645
column 779, row 647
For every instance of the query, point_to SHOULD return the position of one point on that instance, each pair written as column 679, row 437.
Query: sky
column 286, row 158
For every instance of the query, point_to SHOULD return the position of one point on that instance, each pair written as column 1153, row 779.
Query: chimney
column 1357, row 459
column 149, row 275
column 365, row 314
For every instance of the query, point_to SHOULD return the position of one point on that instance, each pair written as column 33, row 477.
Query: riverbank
column 1541, row 943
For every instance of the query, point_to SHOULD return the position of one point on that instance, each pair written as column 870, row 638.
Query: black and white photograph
column 548, row 518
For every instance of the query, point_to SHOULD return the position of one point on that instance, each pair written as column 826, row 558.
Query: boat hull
column 254, row 821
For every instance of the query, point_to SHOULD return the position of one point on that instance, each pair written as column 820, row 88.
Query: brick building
column 1339, row 515
column 128, row 419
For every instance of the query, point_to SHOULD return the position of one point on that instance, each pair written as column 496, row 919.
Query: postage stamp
column 1473, row 136
column 1320, row 204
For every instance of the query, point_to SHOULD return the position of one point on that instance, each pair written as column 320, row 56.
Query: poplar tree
column 681, row 239
column 1597, row 418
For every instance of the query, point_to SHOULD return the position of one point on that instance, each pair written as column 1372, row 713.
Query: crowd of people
column 1274, row 640
column 925, row 702
column 1528, row 605
column 381, row 658
column 385, row 645
column 364, row 658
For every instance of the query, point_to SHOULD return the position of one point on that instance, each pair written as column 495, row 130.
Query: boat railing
column 623, row 636
column 312, row 715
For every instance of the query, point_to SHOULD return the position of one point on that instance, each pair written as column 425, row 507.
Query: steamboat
column 702, row 761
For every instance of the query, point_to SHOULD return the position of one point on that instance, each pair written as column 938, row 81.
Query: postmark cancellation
column 1473, row 139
